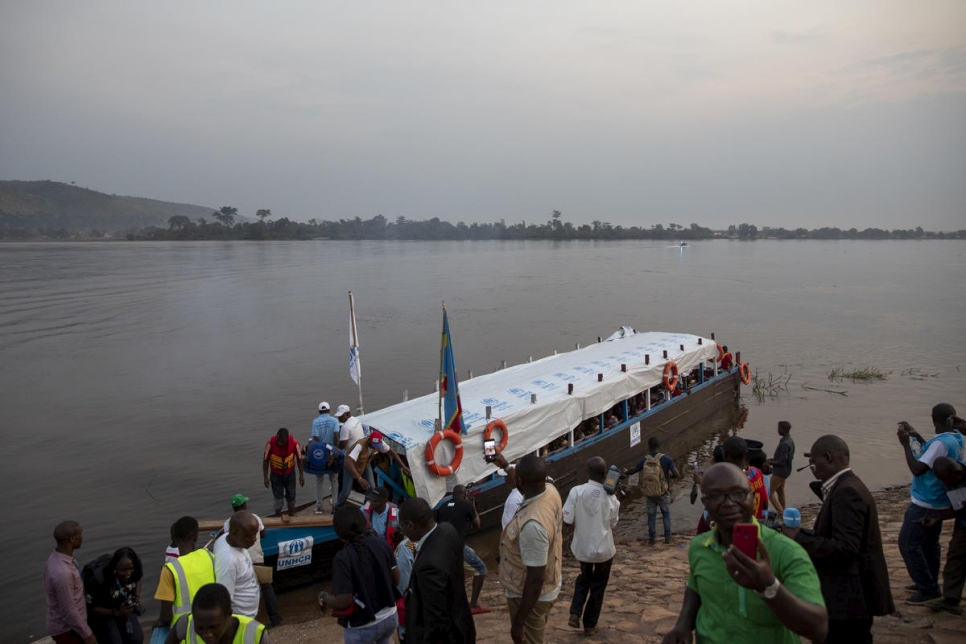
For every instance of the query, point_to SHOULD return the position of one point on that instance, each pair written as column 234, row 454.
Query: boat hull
column 677, row 423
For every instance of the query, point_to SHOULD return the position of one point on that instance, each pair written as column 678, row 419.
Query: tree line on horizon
column 225, row 227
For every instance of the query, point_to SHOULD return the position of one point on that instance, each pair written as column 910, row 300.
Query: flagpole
column 442, row 335
column 354, row 347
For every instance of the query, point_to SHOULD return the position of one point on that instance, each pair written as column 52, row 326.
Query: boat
column 605, row 399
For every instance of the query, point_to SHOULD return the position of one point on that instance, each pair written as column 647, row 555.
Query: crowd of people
column 402, row 570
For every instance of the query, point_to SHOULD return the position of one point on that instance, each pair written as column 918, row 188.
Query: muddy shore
column 644, row 596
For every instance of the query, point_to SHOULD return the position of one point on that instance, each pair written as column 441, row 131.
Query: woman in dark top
column 364, row 579
column 114, row 599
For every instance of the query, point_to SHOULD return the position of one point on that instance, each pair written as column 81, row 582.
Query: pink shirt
column 66, row 608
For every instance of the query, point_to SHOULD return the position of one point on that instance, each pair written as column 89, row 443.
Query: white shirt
column 234, row 571
column 351, row 430
column 511, row 505
column 256, row 552
column 593, row 513
column 354, row 454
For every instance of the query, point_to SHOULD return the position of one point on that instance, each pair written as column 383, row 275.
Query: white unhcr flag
column 355, row 369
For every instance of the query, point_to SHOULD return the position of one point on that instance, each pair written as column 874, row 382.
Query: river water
column 140, row 381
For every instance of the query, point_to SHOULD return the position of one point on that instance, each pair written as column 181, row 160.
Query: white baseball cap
column 323, row 406
column 343, row 409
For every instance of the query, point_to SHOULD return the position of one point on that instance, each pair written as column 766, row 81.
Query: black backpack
column 94, row 571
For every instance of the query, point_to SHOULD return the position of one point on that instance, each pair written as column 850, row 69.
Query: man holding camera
column 918, row 543
column 593, row 511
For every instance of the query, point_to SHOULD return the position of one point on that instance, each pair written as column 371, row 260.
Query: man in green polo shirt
column 772, row 599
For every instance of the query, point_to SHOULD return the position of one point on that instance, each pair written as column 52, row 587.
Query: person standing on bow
column 281, row 457
column 327, row 465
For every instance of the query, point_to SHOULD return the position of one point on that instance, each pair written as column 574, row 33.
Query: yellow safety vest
column 249, row 631
column 191, row 572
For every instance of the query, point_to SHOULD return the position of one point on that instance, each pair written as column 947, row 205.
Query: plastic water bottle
column 792, row 518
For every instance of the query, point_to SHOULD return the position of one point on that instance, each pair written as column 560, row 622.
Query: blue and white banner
column 297, row 552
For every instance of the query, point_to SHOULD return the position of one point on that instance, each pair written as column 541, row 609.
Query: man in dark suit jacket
column 437, row 610
column 846, row 546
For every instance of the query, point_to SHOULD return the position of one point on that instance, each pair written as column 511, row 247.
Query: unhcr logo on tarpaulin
column 297, row 552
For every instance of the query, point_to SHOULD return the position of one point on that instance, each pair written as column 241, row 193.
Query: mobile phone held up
column 489, row 450
column 744, row 536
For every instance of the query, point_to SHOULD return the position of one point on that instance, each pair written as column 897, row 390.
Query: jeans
column 347, row 484
column 591, row 581
column 664, row 502
column 920, row 549
column 378, row 633
column 118, row 630
column 320, row 479
column 471, row 559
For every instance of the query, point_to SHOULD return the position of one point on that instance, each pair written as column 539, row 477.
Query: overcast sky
column 635, row 112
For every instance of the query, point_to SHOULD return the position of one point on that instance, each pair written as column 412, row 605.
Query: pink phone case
column 745, row 538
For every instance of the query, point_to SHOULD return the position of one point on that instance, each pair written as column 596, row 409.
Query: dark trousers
column 920, row 549
column 954, row 574
column 68, row 637
column 271, row 603
column 849, row 631
column 589, row 589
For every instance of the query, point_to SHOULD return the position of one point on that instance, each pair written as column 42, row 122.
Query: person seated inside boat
column 578, row 433
column 657, row 395
column 560, row 443
column 611, row 420
column 679, row 389
column 727, row 360
column 591, row 426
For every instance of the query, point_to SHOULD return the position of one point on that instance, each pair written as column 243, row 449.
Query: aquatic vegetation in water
column 869, row 373
column 917, row 374
column 769, row 387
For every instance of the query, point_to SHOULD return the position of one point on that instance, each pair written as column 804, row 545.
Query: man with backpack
column 656, row 470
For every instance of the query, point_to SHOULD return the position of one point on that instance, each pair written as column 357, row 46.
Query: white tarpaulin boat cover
column 508, row 392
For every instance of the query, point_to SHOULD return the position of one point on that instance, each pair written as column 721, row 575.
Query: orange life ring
column 721, row 352
column 504, row 434
column 670, row 375
column 444, row 470
column 745, row 372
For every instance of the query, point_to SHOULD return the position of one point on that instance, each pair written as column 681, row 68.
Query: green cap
column 238, row 500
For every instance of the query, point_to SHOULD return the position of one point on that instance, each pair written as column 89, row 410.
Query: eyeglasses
column 717, row 499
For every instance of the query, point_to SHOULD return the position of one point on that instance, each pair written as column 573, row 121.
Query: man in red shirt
column 736, row 452
column 282, row 455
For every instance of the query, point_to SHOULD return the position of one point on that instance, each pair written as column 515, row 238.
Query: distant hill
column 48, row 205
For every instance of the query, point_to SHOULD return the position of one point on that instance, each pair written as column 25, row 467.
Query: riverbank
column 644, row 596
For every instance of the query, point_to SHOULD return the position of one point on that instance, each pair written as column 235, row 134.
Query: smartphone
column 489, row 450
column 744, row 536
